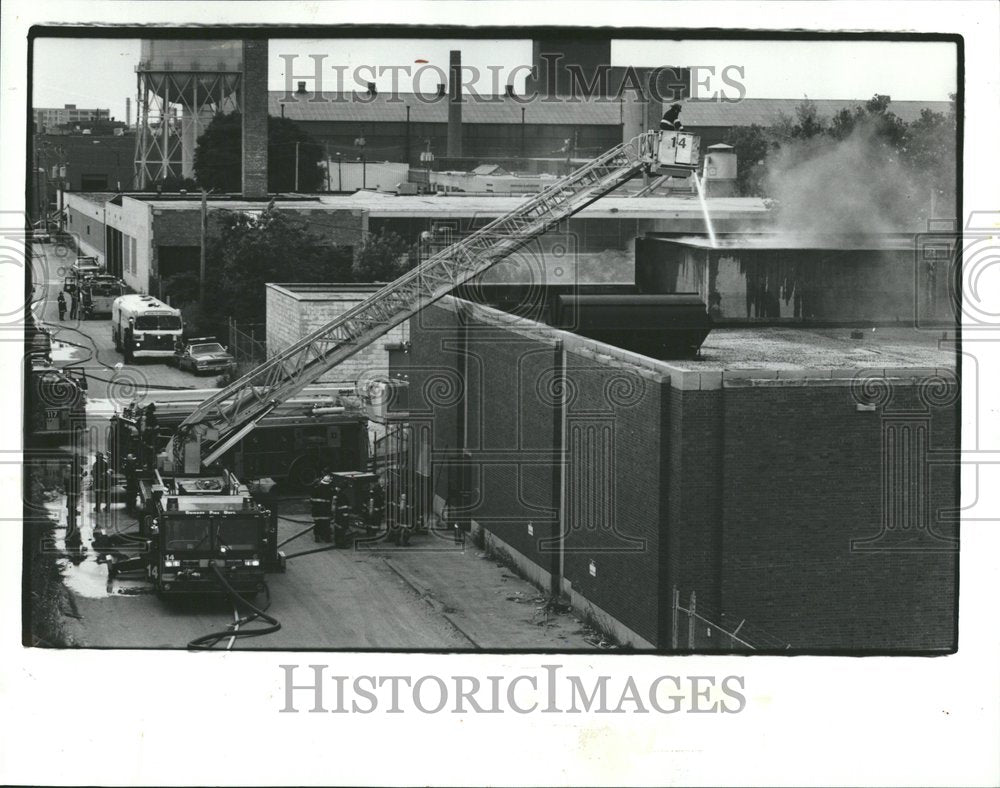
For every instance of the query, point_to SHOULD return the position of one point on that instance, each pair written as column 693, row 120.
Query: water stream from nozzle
column 704, row 208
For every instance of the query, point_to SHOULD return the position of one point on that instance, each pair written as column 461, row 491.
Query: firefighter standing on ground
column 100, row 472
column 150, row 426
column 61, row 301
column 376, row 506
column 131, row 469
column 71, row 486
column 321, row 504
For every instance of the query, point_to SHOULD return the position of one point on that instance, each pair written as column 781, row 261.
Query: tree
column 931, row 152
column 217, row 159
column 805, row 125
column 752, row 144
column 921, row 153
column 383, row 257
column 251, row 251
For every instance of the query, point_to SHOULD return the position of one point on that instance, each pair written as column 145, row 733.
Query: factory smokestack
column 128, row 112
column 455, row 104
column 254, row 91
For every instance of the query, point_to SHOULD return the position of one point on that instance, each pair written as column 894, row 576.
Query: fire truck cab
column 196, row 527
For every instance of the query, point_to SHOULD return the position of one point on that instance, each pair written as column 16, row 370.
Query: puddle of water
column 81, row 572
column 60, row 351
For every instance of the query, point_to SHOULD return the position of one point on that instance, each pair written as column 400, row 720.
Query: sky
column 101, row 72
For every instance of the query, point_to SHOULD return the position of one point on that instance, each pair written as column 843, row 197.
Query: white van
column 145, row 327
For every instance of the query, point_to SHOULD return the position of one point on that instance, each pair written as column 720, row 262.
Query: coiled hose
column 235, row 631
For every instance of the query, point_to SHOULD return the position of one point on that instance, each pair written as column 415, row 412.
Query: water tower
column 181, row 85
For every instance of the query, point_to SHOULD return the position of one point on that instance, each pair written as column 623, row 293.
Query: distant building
column 507, row 130
column 86, row 162
column 52, row 117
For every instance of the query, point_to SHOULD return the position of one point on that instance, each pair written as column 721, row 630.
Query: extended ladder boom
column 228, row 415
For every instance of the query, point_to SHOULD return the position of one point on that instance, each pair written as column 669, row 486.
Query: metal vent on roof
column 659, row 326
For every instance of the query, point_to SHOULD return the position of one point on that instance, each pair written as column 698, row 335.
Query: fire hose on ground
column 235, row 631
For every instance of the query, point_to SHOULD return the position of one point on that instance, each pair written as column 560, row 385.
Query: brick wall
column 293, row 312
column 512, row 392
column 614, row 504
column 749, row 495
column 803, row 479
column 254, row 94
column 85, row 220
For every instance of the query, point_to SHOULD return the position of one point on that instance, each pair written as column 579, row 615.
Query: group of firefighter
column 332, row 511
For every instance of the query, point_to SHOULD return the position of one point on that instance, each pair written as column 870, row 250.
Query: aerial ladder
column 225, row 418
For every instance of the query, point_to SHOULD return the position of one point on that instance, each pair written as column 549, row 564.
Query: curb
column 426, row 595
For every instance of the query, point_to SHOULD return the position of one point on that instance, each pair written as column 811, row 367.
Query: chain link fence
column 247, row 344
column 696, row 627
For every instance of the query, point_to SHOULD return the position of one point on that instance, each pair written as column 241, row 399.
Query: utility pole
column 296, row 166
column 406, row 156
column 522, row 134
column 204, row 232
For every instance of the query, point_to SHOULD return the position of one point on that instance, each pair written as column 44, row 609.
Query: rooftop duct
column 659, row 326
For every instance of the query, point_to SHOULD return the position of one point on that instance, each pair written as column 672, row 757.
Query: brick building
column 295, row 310
column 767, row 478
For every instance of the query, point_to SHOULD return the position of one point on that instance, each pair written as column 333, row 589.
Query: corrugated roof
column 387, row 107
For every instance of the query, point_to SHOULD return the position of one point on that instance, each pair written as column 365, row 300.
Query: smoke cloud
column 853, row 186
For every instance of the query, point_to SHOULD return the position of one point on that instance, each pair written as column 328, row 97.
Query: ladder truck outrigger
column 177, row 498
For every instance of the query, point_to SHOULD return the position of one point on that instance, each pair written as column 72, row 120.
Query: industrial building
column 506, row 129
column 145, row 238
column 86, row 162
column 758, row 480
column 775, row 277
column 51, row 118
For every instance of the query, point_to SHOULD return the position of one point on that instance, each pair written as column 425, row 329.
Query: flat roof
column 785, row 241
column 386, row 206
column 781, row 348
column 325, row 291
column 499, row 109
column 97, row 198
column 777, row 356
column 233, row 204
column 382, row 205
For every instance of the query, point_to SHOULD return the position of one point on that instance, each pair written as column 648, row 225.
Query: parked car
column 203, row 355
